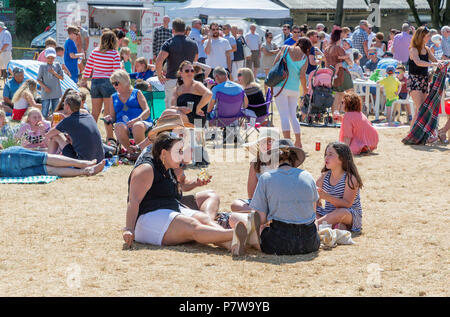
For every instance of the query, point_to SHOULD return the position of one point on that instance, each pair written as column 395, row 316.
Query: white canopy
column 257, row 9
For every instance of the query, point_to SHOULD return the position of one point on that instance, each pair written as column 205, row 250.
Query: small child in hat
column 391, row 87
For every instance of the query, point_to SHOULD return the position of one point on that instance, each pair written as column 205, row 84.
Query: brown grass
column 64, row 238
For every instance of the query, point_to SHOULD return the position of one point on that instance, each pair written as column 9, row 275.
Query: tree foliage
column 33, row 16
column 440, row 12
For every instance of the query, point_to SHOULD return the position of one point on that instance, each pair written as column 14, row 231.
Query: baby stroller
column 320, row 98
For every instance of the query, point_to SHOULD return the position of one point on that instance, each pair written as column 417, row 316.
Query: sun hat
column 2, row 25
column 349, row 41
column 286, row 144
column 390, row 69
column 436, row 38
column 166, row 123
column 265, row 133
column 17, row 70
column 50, row 52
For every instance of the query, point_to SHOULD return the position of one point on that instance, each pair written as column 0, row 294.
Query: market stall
column 99, row 14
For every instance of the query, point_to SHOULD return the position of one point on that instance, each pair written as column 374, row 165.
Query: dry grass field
column 64, row 238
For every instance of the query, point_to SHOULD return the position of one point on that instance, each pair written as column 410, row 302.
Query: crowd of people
column 59, row 134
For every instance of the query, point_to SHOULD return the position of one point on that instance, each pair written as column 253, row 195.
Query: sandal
column 239, row 239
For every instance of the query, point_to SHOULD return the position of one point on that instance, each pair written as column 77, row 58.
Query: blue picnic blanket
column 43, row 179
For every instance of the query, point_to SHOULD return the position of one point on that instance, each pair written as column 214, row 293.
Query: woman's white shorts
column 151, row 227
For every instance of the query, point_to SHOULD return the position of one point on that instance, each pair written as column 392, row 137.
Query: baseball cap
column 390, row 69
column 50, row 51
column 2, row 25
column 17, row 70
column 349, row 41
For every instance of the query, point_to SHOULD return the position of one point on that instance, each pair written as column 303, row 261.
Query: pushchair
column 317, row 103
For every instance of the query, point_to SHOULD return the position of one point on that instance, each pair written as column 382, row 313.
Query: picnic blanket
column 386, row 125
column 427, row 116
column 43, row 179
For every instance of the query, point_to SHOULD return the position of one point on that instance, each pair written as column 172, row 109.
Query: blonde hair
column 29, row 112
column 124, row 51
column 29, row 85
column 121, row 76
column 3, row 114
column 126, row 41
column 143, row 61
column 248, row 77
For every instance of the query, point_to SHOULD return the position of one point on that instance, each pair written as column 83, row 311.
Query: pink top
column 359, row 129
column 32, row 138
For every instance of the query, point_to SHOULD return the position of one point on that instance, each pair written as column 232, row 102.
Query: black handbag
column 278, row 73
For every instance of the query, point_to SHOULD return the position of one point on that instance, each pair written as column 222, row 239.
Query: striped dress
column 338, row 191
column 102, row 64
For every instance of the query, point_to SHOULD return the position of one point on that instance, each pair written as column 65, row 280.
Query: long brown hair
column 180, row 69
column 108, row 41
column 348, row 165
column 417, row 40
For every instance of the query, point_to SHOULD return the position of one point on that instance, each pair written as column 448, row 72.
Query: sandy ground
column 64, row 238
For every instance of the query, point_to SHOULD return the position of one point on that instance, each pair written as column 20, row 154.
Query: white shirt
column 370, row 38
column 253, row 41
column 5, row 38
column 217, row 56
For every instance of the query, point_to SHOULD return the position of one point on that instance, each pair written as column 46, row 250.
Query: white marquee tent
column 257, row 9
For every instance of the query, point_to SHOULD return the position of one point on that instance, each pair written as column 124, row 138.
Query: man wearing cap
column 360, row 40
column 49, row 76
column 197, row 36
column 11, row 87
column 5, row 48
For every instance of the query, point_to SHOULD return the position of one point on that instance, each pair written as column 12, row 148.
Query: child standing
column 339, row 186
column 125, row 58
column 71, row 55
column 391, row 88
column 400, row 71
column 49, row 77
column 60, row 59
column 33, row 131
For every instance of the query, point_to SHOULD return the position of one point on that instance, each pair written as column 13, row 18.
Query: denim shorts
column 17, row 161
column 49, row 106
column 101, row 88
column 282, row 238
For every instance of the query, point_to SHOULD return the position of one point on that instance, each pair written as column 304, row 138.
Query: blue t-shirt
column 371, row 65
column 11, row 87
column 71, row 63
column 290, row 41
column 286, row 195
column 86, row 138
column 311, row 67
column 228, row 87
column 143, row 75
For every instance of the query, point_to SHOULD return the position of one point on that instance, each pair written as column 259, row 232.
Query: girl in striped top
column 100, row 65
column 339, row 186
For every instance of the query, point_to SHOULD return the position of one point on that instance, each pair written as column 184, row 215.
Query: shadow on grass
column 250, row 256
column 430, row 147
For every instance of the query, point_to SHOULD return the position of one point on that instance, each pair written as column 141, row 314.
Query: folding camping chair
column 228, row 114
column 254, row 124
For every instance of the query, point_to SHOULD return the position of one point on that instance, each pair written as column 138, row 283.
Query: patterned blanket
column 28, row 180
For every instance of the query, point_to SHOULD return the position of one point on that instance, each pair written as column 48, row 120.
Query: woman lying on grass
column 17, row 161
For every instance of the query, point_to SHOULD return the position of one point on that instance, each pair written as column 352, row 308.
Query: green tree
column 33, row 16
column 440, row 12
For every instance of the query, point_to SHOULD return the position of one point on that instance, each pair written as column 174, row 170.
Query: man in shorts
column 254, row 43
column 5, row 48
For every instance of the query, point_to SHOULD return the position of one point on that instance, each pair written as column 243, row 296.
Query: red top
column 102, row 64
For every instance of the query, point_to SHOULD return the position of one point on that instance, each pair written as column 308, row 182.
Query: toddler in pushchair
column 318, row 101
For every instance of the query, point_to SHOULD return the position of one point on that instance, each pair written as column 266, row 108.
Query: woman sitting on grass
column 24, row 98
column 154, row 212
column 356, row 130
column 261, row 164
column 339, row 186
column 17, row 161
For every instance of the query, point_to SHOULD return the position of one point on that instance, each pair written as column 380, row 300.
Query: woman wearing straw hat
column 258, row 166
column 287, row 197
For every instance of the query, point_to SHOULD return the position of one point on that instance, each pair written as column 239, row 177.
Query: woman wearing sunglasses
column 130, row 112
column 270, row 51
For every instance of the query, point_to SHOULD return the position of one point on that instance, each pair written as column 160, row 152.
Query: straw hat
column 265, row 133
column 288, row 145
column 166, row 123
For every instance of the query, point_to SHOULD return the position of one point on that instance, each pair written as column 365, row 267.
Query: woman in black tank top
column 154, row 204
column 419, row 62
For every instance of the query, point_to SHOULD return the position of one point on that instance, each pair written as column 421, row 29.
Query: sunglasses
column 295, row 31
column 115, row 83
column 187, row 71
column 239, row 75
